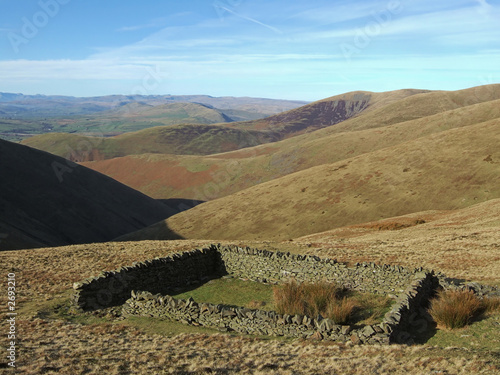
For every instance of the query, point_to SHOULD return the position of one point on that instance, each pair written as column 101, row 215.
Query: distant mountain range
column 211, row 137
column 25, row 115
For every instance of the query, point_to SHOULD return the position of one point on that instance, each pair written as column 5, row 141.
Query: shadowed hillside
column 45, row 200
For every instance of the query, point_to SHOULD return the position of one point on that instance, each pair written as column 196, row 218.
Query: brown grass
column 257, row 305
column 462, row 243
column 341, row 311
column 374, row 130
column 45, row 276
column 491, row 304
column 455, row 309
column 312, row 299
column 58, row 347
column 355, row 190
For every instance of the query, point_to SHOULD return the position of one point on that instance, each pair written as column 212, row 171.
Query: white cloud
column 236, row 55
column 446, row 22
column 177, row 67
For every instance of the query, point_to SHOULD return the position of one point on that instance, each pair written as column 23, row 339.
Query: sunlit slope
column 449, row 170
column 461, row 243
column 179, row 139
column 326, row 112
column 202, row 139
column 214, row 176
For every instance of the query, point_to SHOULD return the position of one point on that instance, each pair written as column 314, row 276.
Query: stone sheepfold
column 145, row 287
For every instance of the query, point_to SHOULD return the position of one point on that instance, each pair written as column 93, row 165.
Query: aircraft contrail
column 253, row 20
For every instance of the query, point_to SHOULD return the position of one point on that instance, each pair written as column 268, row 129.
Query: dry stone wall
column 275, row 267
column 402, row 316
column 160, row 275
column 144, row 289
column 248, row 321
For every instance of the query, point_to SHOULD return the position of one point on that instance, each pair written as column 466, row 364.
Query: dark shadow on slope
column 155, row 232
column 178, row 205
column 46, row 200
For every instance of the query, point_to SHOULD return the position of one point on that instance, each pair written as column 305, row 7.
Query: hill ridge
column 455, row 162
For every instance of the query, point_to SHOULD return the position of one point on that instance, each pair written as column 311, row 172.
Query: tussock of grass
column 491, row 305
column 341, row 311
column 455, row 309
column 313, row 299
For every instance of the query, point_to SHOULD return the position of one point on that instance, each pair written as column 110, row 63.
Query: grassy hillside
column 216, row 176
column 137, row 116
column 179, row 139
column 22, row 116
column 45, row 200
column 461, row 165
column 327, row 112
column 411, row 180
column 464, row 242
column 202, row 140
column 91, row 343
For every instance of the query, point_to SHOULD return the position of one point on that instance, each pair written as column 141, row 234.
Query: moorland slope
column 194, row 139
column 213, row 176
column 448, row 170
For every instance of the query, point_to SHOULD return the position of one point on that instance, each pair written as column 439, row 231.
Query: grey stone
column 355, row 339
column 297, row 319
column 228, row 313
column 345, row 330
column 368, row 331
column 316, row 336
column 326, row 325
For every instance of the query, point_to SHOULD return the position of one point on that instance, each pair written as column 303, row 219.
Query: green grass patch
column 194, row 165
column 344, row 306
column 165, row 327
column 233, row 292
column 482, row 335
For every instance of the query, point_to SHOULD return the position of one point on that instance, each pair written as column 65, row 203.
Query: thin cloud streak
column 229, row 65
column 454, row 22
column 276, row 30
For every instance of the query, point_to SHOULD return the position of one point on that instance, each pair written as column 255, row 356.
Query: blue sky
column 305, row 50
